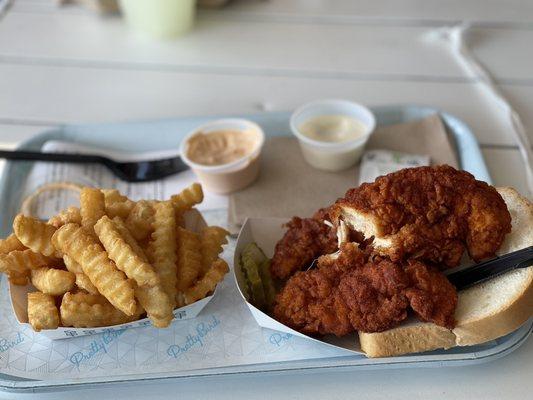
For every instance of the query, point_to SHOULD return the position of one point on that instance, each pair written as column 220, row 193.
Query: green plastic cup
column 159, row 18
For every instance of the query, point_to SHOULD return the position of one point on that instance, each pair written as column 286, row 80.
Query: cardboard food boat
column 19, row 300
column 266, row 232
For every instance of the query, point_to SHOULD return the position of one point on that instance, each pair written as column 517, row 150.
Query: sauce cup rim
column 236, row 165
column 333, row 102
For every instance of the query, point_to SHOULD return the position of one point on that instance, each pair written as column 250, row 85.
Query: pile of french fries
column 112, row 260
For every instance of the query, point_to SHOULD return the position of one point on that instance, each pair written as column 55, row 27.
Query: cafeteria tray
column 164, row 134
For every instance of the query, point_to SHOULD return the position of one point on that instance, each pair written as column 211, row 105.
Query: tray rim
column 470, row 158
column 480, row 357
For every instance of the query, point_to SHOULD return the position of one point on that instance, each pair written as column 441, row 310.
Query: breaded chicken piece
column 305, row 240
column 307, row 304
column 356, row 291
column 335, row 265
column 375, row 296
column 431, row 295
column 428, row 213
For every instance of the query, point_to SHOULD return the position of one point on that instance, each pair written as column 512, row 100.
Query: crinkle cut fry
column 35, row 235
column 116, row 204
column 72, row 265
column 208, row 283
column 82, row 310
column 140, row 220
column 82, row 280
column 158, row 306
column 153, row 299
column 72, row 240
column 164, row 247
column 10, row 243
column 125, row 258
column 70, row 215
column 84, row 283
column 212, row 238
column 92, row 208
column 19, row 279
column 188, row 197
column 52, row 281
column 42, row 311
column 129, row 239
column 189, row 258
column 113, row 196
column 22, row 261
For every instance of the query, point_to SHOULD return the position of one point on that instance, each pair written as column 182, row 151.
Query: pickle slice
column 254, row 280
column 256, row 270
column 268, row 284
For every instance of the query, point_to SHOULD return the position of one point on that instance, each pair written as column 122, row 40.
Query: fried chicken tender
column 354, row 290
column 305, row 240
column 374, row 296
column 348, row 257
column 431, row 295
column 307, row 304
column 428, row 213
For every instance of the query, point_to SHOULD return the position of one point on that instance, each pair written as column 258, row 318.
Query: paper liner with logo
column 266, row 232
column 19, row 300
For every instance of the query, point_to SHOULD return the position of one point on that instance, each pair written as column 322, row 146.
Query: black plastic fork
column 132, row 171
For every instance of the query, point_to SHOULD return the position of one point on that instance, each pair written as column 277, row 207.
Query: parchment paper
column 288, row 186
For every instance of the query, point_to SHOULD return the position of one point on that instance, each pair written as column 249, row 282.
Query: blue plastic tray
column 156, row 135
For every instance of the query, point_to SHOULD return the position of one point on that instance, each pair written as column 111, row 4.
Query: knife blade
column 491, row 268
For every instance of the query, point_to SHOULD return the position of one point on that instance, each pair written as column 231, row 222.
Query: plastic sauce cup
column 332, row 156
column 233, row 176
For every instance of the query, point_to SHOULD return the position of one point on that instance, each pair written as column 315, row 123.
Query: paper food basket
column 266, row 232
column 19, row 300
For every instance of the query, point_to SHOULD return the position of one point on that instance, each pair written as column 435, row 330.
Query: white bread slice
column 499, row 306
column 484, row 312
column 411, row 337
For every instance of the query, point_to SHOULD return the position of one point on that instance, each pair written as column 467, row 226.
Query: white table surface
column 70, row 66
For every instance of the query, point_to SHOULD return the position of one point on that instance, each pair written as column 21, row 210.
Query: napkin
column 288, row 186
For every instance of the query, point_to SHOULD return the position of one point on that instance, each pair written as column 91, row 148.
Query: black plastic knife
column 489, row 269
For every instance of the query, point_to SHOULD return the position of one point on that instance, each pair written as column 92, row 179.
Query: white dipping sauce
column 333, row 128
column 332, row 133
